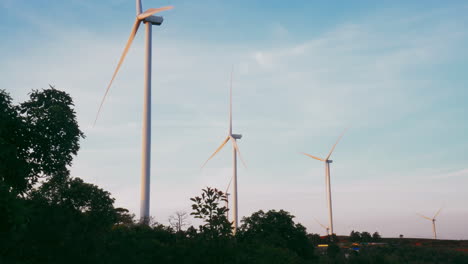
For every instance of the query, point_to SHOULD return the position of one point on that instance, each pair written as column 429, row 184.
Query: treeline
column 46, row 216
column 356, row 236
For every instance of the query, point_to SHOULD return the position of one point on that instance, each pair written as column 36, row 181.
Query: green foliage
column 277, row 229
column 376, row 237
column 52, row 131
column 355, row 236
column 208, row 208
column 366, row 237
column 37, row 138
column 14, row 170
column 76, row 195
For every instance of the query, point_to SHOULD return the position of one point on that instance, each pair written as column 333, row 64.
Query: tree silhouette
column 208, row 208
column 178, row 220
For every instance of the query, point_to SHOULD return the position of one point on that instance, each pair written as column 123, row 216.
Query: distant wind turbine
column 327, row 181
column 235, row 148
column 433, row 219
column 324, row 226
column 149, row 20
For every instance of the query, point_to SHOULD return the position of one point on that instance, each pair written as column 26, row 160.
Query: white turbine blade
column 138, row 7
column 217, row 150
column 152, row 11
column 122, row 58
column 437, row 213
column 312, row 156
column 230, row 104
column 238, row 151
column 320, row 224
column 333, row 148
column 229, row 185
column 423, row 216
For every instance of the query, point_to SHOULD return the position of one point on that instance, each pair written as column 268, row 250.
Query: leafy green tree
column 208, row 208
column 355, row 236
column 52, row 131
column 277, row 229
column 37, row 138
column 14, row 170
column 366, row 237
column 314, row 239
column 376, row 237
column 124, row 217
column 73, row 193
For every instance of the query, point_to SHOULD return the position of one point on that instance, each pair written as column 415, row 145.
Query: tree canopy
column 38, row 138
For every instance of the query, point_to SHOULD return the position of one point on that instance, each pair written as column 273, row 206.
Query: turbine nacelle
column 154, row 20
column 236, row 136
column 329, row 161
column 147, row 16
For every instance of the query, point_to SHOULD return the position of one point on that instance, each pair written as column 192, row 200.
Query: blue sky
column 394, row 72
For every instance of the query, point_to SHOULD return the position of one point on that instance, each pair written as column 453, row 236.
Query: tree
column 355, row 236
column 74, row 194
column 314, row 239
column 208, row 208
column 14, row 171
column 37, row 138
column 52, row 132
column 178, row 220
column 124, row 217
column 366, row 237
column 376, row 237
column 277, row 229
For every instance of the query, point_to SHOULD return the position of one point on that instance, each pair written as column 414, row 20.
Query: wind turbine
column 327, row 161
column 324, row 226
column 148, row 19
column 235, row 151
column 433, row 219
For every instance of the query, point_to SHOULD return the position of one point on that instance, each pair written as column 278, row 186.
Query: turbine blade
column 229, row 185
column 122, row 58
column 217, row 150
column 437, row 213
column 320, row 224
column 152, row 11
column 138, row 7
column 312, row 156
column 230, row 104
column 423, row 216
column 333, row 148
column 238, row 151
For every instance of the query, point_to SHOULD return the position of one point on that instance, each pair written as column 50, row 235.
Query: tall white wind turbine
column 148, row 19
column 327, row 162
column 433, row 220
column 235, row 151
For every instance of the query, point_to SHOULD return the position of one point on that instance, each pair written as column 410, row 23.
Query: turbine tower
column 327, row 162
column 433, row 220
column 235, row 151
column 148, row 19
